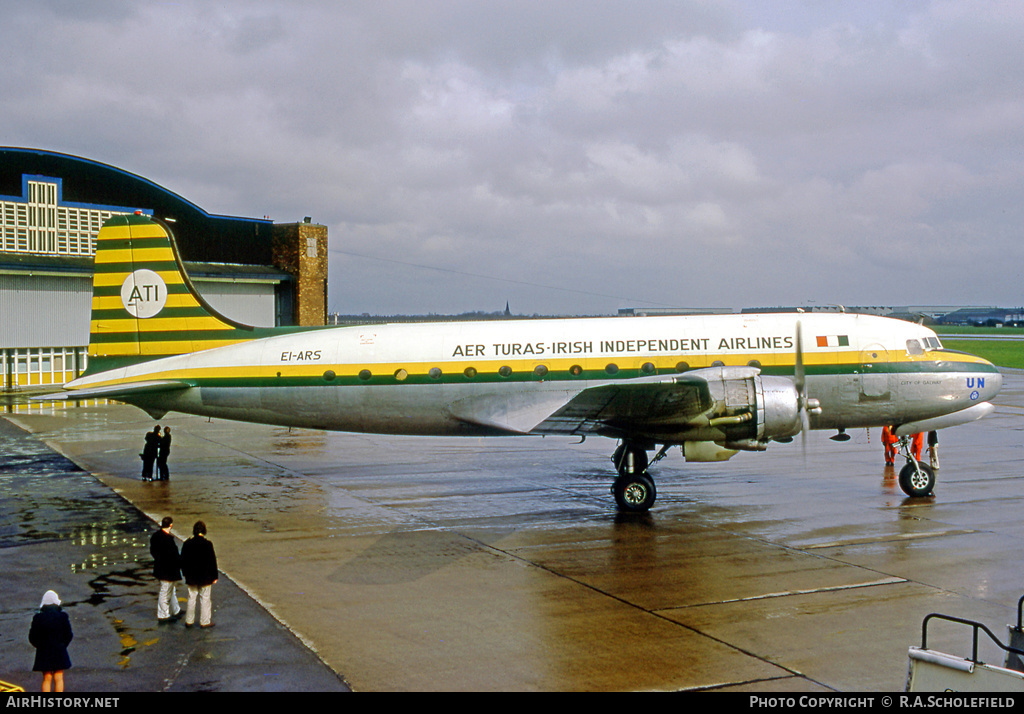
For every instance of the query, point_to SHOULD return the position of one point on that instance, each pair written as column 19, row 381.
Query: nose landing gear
column 916, row 479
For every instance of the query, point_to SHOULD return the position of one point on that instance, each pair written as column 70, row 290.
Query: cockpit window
column 933, row 343
column 914, row 347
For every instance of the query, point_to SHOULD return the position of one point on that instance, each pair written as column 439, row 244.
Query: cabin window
column 611, row 368
column 682, row 366
column 505, row 371
column 435, row 373
column 914, row 347
column 401, row 374
column 540, row 370
column 648, row 368
column 329, row 375
column 470, row 372
column 575, row 370
column 718, row 363
column 754, row 363
column 365, row 375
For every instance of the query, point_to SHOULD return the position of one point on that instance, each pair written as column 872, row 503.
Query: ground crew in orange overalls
column 916, row 445
column 889, row 442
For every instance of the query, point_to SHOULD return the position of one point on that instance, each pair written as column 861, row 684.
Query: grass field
column 1002, row 354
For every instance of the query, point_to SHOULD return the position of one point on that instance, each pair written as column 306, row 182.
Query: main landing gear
column 634, row 488
column 917, row 479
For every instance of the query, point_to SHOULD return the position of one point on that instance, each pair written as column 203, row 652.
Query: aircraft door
column 874, row 376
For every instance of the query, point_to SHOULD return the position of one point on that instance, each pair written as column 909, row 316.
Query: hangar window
column 914, row 347
column 435, row 373
column 505, row 371
column 401, row 374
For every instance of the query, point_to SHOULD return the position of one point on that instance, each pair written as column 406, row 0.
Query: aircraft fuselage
column 434, row 379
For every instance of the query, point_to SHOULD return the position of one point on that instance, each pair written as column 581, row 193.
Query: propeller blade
column 798, row 369
column 800, row 381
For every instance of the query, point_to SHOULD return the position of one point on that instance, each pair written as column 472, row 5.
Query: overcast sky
column 568, row 156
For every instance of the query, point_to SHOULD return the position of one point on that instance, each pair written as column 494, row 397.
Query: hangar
column 52, row 206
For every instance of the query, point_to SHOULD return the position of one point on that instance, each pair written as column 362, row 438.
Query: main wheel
column 634, row 493
column 917, row 481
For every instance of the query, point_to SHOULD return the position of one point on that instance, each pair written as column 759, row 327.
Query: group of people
column 51, row 632
column 197, row 562
column 890, row 442
column 156, row 450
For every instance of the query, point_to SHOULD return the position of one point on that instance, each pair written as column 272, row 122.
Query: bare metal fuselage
column 505, row 377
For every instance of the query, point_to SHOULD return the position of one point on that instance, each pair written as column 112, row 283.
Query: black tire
column 634, row 493
column 917, row 484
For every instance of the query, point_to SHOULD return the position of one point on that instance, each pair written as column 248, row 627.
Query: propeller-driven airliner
column 712, row 385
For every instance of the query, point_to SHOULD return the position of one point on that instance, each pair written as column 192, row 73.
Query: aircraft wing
column 619, row 405
column 625, row 405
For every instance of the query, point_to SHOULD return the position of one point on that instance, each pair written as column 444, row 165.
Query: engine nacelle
column 751, row 408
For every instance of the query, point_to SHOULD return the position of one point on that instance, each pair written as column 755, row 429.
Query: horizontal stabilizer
column 116, row 391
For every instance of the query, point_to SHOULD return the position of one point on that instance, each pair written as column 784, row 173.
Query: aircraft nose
column 995, row 383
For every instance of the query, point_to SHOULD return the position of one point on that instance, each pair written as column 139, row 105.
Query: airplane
column 714, row 385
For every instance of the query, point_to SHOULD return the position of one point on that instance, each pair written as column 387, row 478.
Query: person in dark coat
column 166, row 569
column 149, row 452
column 199, row 566
column 51, row 634
column 163, row 451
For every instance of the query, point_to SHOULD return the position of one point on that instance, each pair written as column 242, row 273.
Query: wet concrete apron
column 501, row 564
column 61, row 529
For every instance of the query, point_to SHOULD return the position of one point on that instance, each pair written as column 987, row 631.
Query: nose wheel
column 917, row 479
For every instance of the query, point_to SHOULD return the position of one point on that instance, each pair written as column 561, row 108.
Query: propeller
column 805, row 405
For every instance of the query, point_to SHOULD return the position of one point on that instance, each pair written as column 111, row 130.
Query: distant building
column 52, row 206
column 984, row 316
column 652, row 311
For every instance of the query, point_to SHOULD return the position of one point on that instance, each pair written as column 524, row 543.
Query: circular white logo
column 143, row 293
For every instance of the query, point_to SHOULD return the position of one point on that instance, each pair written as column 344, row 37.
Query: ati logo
column 143, row 293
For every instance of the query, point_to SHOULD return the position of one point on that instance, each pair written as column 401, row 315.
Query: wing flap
column 514, row 413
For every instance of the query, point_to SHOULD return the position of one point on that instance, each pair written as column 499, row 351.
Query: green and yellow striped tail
column 143, row 304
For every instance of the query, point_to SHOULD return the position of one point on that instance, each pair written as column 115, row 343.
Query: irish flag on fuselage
column 833, row 341
column 143, row 304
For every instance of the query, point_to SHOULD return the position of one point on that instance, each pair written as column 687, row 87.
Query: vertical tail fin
column 143, row 304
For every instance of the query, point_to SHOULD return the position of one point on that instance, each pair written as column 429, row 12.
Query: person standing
column 163, row 451
column 51, row 634
column 889, row 444
column 199, row 566
column 933, row 449
column 166, row 569
column 149, row 452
